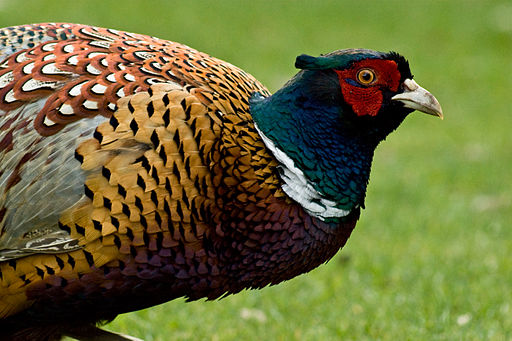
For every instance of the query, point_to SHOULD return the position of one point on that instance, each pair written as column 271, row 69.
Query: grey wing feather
column 39, row 179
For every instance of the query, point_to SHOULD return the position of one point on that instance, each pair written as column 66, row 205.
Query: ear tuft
column 306, row 62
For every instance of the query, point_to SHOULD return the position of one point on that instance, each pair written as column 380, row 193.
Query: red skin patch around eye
column 367, row 99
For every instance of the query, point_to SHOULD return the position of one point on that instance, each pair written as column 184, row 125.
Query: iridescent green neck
column 323, row 167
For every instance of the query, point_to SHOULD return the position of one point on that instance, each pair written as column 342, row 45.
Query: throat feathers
column 299, row 188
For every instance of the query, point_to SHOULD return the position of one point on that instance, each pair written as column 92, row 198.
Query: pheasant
column 135, row 170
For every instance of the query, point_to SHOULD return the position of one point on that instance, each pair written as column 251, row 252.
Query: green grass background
column 431, row 256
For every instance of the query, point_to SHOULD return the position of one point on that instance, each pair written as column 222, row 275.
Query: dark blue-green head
column 325, row 123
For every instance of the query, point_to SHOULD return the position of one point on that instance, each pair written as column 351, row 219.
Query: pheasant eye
column 365, row 76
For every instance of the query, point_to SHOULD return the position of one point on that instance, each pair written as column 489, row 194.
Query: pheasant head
column 325, row 123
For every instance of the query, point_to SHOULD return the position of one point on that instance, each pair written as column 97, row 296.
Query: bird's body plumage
column 136, row 170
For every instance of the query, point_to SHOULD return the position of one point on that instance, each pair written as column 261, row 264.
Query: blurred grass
column 430, row 258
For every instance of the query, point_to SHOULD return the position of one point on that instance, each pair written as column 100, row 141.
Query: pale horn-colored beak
column 417, row 98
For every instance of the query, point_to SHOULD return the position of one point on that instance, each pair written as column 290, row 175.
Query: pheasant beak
column 417, row 98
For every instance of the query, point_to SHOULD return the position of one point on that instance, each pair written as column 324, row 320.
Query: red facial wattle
column 366, row 99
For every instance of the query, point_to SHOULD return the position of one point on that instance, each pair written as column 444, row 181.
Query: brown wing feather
column 146, row 179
